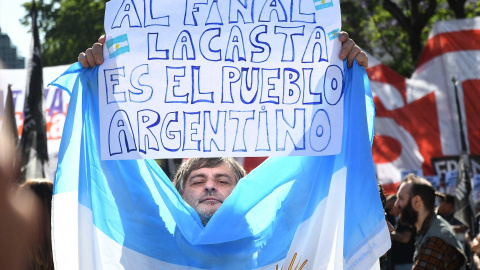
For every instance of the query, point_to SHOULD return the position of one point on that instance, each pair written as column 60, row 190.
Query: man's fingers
column 83, row 60
column 346, row 48
column 343, row 36
column 362, row 59
column 93, row 56
column 97, row 52
column 352, row 55
column 102, row 39
column 90, row 58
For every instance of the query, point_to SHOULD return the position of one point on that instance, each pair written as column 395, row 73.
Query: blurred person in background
column 40, row 250
column 17, row 216
column 446, row 209
column 390, row 210
column 403, row 242
column 385, row 262
column 25, row 242
column 436, row 246
column 474, row 244
column 390, row 217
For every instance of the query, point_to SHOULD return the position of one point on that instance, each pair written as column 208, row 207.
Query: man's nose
column 396, row 204
column 210, row 184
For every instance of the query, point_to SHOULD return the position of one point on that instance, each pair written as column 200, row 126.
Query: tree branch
column 397, row 13
column 458, row 7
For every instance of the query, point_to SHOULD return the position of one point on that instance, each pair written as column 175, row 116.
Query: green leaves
column 68, row 27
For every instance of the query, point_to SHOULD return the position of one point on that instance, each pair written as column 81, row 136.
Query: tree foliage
column 69, row 27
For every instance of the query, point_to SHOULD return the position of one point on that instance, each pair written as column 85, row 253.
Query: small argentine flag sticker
column 321, row 4
column 117, row 45
column 334, row 33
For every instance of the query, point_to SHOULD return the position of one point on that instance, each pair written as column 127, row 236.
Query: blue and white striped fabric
column 289, row 213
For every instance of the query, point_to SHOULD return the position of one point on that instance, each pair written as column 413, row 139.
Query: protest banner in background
column 434, row 180
column 417, row 172
column 221, row 78
column 56, row 104
column 476, row 187
column 417, row 119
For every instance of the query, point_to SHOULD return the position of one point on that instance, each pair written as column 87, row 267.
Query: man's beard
column 206, row 216
column 409, row 216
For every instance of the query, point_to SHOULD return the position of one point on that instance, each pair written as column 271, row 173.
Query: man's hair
column 450, row 199
column 193, row 164
column 423, row 188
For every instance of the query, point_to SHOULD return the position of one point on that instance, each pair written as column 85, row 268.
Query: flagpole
column 33, row 143
column 463, row 205
column 460, row 118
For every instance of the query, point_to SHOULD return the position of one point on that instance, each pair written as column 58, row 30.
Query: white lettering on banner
column 210, row 78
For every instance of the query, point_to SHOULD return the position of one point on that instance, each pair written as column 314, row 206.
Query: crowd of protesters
column 452, row 248
column 25, row 213
column 25, row 222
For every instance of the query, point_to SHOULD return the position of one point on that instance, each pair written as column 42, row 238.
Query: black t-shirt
column 403, row 253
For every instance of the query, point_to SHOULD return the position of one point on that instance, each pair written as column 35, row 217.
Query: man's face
column 408, row 215
column 207, row 188
column 393, row 210
column 445, row 208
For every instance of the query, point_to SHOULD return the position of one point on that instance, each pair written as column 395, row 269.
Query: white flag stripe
column 65, row 230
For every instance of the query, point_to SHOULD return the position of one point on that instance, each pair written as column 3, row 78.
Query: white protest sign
column 476, row 187
column 434, row 180
column 208, row 78
column 451, row 181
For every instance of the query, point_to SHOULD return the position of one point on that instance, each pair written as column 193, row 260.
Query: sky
column 10, row 13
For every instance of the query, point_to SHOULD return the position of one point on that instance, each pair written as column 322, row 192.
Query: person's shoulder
column 440, row 228
column 444, row 225
column 434, row 241
column 439, row 221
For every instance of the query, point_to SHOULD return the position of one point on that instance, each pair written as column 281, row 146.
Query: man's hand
column 351, row 51
column 93, row 56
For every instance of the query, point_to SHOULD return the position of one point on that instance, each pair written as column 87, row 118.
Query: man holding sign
column 267, row 67
column 199, row 173
column 280, row 107
column 203, row 79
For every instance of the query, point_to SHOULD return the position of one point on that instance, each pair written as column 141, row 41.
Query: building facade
column 8, row 54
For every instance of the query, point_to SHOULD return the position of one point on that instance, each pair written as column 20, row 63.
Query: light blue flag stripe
column 134, row 203
column 119, row 51
column 333, row 34
column 319, row 5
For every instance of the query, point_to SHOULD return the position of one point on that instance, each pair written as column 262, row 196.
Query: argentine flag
column 117, row 45
column 334, row 34
column 290, row 213
column 321, row 4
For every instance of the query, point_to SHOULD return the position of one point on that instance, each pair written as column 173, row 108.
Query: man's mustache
column 210, row 194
